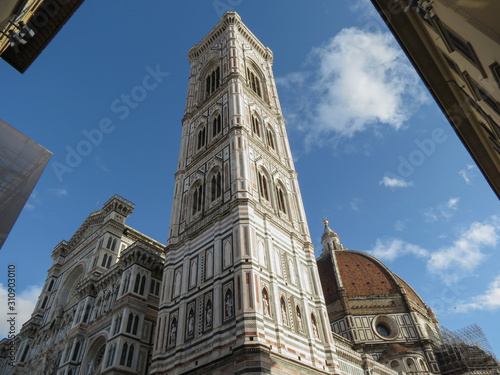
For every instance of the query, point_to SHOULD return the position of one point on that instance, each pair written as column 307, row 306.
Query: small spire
column 330, row 237
column 327, row 228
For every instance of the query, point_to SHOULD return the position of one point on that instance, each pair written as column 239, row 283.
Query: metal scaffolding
column 466, row 351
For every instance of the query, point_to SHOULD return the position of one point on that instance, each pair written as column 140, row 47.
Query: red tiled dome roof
column 361, row 275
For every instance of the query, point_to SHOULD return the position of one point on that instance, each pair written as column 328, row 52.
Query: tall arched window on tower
column 216, row 125
column 216, row 186
column 280, row 196
column 197, row 200
column 201, row 137
column 254, row 82
column 212, row 81
column 270, row 138
column 263, row 186
column 255, row 126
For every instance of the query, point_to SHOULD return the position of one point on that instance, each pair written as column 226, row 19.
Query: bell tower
column 240, row 290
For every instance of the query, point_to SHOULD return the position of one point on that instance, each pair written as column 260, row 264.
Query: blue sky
column 374, row 153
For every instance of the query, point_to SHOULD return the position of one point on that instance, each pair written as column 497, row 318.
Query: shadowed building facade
column 455, row 47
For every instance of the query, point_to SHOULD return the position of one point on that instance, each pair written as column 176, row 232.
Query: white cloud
column 452, row 203
column 25, row 303
column 394, row 182
column 354, row 204
column 291, row 79
column 391, row 248
column 33, row 201
column 443, row 210
column 466, row 253
column 490, row 300
column 467, row 173
column 400, row 225
column 59, row 192
column 361, row 79
column 365, row 9
column 463, row 174
column 451, row 263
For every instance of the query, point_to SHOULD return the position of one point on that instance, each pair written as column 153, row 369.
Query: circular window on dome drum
column 385, row 327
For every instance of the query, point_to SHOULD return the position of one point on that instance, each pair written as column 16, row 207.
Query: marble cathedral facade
column 237, row 288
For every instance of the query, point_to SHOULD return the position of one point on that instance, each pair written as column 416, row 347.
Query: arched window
column 118, row 323
column 143, row 284
column 216, row 186
column 126, row 284
column 263, row 186
column 254, row 82
column 136, row 325
column 44, row 303
column 197, row 199
column 423, row 367
column 25, row 353
column 255, row 126
column 216, row 125
column 123, row 356
column 113, row 245
column 281, row 199
column 110, row 259
column 111, row 355
column 104, row 260
column 137, row 283
column 130, row 356
column 270, row 139
column 88, row 309
column 108, row 245
column 49, row 289
column 411, row 365
column 212, row 81
column 201, row 137
column 76, row 351
column 130, row 322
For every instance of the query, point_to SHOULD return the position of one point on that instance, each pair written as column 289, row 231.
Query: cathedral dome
column 361, row 275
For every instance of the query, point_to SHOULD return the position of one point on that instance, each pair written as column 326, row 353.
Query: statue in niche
column 209, row 313
column 299, row 320
column 267, row 308
column 173, row 332
column 229, row 303
column 314, row 327
column 190, row 322
column 283, row 312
